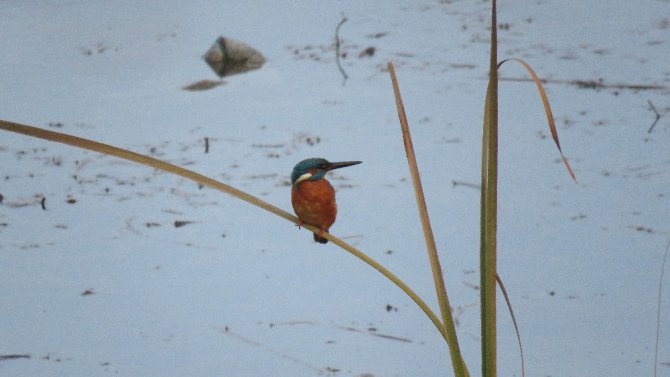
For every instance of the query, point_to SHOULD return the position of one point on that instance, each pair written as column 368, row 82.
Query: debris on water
column 180, row 223
column 14, row 357
column 370, row 51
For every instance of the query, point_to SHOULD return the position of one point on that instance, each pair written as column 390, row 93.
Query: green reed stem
column 489, row 202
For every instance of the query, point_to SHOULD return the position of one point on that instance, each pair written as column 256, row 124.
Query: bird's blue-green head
column 314, row 169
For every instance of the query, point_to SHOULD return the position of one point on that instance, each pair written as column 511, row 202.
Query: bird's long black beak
column 337, row 165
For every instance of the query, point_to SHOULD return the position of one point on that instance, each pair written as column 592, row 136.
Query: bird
column 312, row 196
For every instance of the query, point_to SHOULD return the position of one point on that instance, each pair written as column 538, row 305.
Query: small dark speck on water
column 370, row 51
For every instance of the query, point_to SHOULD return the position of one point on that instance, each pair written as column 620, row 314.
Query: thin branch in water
column 337, row 49
column 658, row 116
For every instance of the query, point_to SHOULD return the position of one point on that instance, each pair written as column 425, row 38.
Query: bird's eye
column 322, row 166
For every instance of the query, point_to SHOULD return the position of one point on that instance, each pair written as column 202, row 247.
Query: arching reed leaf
column 206, row 181
column 547, row 109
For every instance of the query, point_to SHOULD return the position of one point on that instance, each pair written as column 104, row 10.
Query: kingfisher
column 312, row 196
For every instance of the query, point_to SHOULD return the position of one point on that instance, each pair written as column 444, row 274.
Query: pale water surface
column 133, row 272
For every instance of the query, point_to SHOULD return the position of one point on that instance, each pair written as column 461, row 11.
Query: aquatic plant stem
column 489, row 202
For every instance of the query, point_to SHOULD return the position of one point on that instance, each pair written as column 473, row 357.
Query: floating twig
column 206, row 144
column 43, row 203
column 373, row 332
column 466, row 184
column 14, row 357
column 337, row 49
column 592, row 84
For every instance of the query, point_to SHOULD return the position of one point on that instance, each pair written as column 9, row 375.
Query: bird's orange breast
column 314, row 203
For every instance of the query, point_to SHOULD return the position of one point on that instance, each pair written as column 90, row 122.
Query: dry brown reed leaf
column 547, row 109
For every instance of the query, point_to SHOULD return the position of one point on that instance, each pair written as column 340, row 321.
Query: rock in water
column 228, row 57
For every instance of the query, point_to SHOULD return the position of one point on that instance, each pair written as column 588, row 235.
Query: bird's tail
column 319, row 239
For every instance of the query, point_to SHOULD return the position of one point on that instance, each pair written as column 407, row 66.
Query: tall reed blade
column 460, row 368
column 489, row 200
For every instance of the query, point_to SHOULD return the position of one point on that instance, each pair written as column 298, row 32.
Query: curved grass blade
column 204, row 180
column 516, row 326
column 547, row 109
column 658, row 308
